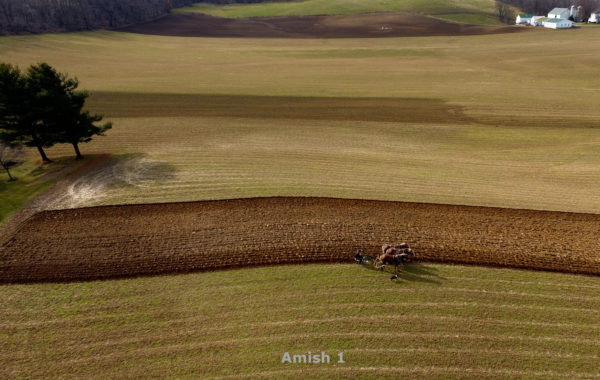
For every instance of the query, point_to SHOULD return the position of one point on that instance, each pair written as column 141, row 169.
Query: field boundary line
column 459, row 290
column 199, row 345
column 416, row 369
column 475, row 350
column 337, row 319
column 281, row 337
column 523, row 282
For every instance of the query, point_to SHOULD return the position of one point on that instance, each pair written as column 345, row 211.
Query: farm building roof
column 556, row 20
column 525, row 15
column 558, row 10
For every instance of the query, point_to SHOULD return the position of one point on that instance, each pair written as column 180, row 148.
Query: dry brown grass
column 500, row 120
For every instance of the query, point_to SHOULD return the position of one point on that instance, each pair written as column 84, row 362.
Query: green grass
column 470, row 18
column 472, row 11
column 32, row 180
column 435, row 321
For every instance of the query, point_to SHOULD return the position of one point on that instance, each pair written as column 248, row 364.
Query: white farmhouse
column 594, row 17
column 524, row 19
column 558, row 23
column 562, row 13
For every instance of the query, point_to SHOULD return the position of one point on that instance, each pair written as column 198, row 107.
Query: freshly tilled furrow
column 132, row 240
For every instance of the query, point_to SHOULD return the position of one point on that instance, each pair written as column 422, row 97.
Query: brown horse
column 387, row 258
column 395, row 250
column 395, row 255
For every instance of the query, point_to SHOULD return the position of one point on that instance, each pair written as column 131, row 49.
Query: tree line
column 41, row 16
column 241, row 1
column 42, row 107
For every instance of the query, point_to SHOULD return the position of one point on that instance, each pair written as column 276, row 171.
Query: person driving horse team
column 399, row 254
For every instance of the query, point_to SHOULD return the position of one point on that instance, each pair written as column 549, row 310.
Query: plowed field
column 115, row 241
column 336, row 26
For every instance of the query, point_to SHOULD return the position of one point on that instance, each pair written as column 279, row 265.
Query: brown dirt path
column 325, row 26
column 117, row 241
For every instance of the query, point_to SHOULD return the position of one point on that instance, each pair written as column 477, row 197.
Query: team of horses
column 394, row 255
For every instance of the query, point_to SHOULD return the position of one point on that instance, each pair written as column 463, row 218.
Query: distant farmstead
column 558, row 18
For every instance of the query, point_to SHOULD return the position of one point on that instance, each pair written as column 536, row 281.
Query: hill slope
column 469, row 11
column 322, row 26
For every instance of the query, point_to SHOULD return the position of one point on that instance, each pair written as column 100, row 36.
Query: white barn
column 594, row 17
column 563, row 13
column 538, row 20
column 558, row 23
column 524, row 19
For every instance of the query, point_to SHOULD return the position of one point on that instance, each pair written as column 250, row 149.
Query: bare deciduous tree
column 505, row 13
column 586, row 7
column 8, row 158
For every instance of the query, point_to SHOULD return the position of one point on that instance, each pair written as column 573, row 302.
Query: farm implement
column 395, row 255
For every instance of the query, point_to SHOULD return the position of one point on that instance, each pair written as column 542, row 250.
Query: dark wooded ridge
column 43, row 16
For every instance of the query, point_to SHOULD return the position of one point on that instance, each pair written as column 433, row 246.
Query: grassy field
column 497, row 120
column 436, row 321
column 32, row 180
column 472, row 11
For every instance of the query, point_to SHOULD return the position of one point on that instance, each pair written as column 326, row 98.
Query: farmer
column 358, row 257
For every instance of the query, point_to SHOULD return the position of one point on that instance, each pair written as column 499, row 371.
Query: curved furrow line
column 78, row 342
column 428, row 370
column 188, row 346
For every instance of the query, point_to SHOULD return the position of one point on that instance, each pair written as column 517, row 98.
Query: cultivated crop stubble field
column 496, row 120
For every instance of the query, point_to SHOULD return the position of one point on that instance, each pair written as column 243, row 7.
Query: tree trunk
column 43, row 154
column 38, row 145
column 10, row 177
column 79, row 156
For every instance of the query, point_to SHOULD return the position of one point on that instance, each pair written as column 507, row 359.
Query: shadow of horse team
column 398, row 255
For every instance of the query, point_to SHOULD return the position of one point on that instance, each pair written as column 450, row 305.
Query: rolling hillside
column 468, row 11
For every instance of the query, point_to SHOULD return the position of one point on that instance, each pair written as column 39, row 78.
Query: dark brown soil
column 117, row 241
column 338, row 26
